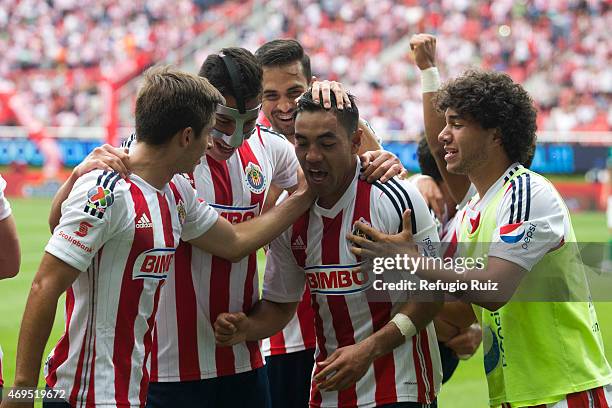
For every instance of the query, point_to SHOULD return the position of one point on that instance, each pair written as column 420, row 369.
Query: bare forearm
column 389, row 336
column 10, row 256
column 268, row 318
column 500, row 277
column 62, row 194
column 257, row 232
column 35, row 330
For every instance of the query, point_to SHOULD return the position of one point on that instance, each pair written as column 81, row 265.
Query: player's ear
column 497, row 136
column 356, row 140
column 186, row 136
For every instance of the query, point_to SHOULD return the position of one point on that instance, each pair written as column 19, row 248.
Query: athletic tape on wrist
column 430, row 80
column 404, row 324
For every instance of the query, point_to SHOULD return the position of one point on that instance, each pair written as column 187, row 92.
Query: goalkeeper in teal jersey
column 544, row 353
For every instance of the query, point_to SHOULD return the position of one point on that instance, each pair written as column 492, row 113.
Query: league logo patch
column 99, row 199
column 255, row 179
column 512, row 233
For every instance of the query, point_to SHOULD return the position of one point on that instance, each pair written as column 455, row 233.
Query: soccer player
column 369, row 353
column 116, row 244
column 458, row 335
column 10, row 256
column 234, row 178
column 187, row 367
column 535, row 353
column 287, row 75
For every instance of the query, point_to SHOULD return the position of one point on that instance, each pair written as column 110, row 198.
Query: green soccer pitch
column 467, row 388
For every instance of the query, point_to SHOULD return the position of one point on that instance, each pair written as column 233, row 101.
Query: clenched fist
column 423, row 47
column 230, row 328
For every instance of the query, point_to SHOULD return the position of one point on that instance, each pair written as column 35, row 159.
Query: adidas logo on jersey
column 298, row 244
column 144, row 222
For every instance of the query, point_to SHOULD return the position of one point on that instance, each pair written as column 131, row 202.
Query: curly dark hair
column 494, row 100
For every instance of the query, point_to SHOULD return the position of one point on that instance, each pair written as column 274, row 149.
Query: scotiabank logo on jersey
column 236, row 215
column 154, row 264
column 337, row 279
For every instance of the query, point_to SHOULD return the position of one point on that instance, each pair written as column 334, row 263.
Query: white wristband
column 430, row 80
column 404, row 324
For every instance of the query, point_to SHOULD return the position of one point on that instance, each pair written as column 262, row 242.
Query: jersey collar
column 477, row 203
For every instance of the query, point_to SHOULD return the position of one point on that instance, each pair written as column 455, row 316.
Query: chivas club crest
column 255, row 179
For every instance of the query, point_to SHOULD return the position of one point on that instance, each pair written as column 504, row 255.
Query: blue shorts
column 248, row 389
column 449, row 362
column 289, row 376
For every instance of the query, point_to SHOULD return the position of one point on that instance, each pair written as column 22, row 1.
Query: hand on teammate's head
column 325, row 88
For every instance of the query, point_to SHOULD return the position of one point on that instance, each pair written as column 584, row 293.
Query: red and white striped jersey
column 315, row 251
column 299, row 333
column 205, row 285
column 5, row 211
column 122, row 235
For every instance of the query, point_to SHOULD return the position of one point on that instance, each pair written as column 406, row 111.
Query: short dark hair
column 249, row 71
column 427, row 163
column 494, row 100
column 277, row 53
column 169, row 101
column 347, row 117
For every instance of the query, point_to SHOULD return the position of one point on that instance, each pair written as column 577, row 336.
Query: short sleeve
column 284, row 279
column 94, row 211
column 283, row 158
column 531, row 221
column 199, row 216
column 5, row 207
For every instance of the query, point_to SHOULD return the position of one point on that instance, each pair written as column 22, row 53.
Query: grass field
column 467, row 388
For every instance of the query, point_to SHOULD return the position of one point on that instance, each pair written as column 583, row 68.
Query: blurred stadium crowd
column 55, row 53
